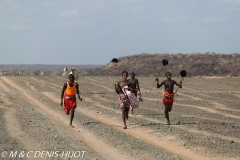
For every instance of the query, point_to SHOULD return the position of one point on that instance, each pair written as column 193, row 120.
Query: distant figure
column 69, row 92
column 134, row 84
column 75, row 73
column 168, row 93
column 65, row 71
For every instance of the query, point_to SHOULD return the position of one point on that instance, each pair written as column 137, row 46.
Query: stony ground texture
column 205, row 121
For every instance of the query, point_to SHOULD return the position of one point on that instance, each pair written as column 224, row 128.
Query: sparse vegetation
column 217, row 69
column 43, row 70
column 82, row 73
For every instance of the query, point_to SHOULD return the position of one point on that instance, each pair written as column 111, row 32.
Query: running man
column 168, row 93
column 134, row 84
column 69, row 91
column 124, row 103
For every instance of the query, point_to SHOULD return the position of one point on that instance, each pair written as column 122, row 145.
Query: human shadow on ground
column 87, row 123
column 150, row 114
column 96, row 93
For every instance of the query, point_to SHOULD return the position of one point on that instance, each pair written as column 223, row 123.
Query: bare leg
column 126, row 112
column 131, row 109
column 72, row 116
column 124, row 118
column 166, row 112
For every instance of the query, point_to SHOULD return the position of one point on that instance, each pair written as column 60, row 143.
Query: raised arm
column 178, row 84
column 117, row 88
column 159, row 85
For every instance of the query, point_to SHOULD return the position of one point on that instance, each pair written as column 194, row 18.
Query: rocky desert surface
column 205, row 121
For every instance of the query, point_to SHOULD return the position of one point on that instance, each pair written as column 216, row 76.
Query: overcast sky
column 95, row 31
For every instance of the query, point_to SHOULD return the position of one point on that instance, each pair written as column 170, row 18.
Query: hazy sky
column 95, row 31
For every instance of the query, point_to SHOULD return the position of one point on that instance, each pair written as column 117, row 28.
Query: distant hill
column 44, row 67
column 196, row 64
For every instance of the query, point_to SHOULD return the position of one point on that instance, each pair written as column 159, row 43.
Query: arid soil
column 205, row 121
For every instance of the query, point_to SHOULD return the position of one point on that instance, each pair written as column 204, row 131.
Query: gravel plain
column 205, row 120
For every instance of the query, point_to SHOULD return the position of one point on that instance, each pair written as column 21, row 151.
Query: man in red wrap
column 168, row 93
column 69, row 91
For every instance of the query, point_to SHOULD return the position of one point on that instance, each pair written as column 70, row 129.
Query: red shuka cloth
column 69, row 103
column 168, row 98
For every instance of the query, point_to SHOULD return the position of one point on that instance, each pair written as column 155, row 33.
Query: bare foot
column 125, row 127
column 71, row 125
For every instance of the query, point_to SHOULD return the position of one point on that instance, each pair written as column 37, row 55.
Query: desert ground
column 205, row 121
